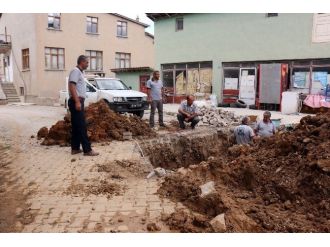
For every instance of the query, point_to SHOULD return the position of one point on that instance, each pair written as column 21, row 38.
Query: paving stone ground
column 44, row 175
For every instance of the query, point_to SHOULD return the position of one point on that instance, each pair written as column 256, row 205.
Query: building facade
column 45, row 48
column 222, row 53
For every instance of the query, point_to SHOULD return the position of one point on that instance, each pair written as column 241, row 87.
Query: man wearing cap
column 244, row 134
column 265, row 128
column 77, row 92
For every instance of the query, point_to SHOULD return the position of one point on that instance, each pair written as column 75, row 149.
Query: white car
column 115, row 93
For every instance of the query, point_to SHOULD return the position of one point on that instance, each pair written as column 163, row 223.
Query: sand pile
column 281, row 184
column 103, row 124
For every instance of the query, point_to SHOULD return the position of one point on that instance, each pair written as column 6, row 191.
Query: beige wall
column 22, row 29
column 74, row 39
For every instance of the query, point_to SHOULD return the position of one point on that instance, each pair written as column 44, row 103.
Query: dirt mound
column 280, row 184
column 184, row 222
column 42, row 133
column 101, row 187
column 103, row 124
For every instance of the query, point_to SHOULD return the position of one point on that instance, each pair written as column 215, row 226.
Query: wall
column 131, row 78
column 31, row 31
column 22, row 28
column 236, row 37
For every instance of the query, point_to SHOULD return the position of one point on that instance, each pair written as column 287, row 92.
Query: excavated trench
column 185, row 149
column 279, row 184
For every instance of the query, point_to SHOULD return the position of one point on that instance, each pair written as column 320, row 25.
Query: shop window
column 180, row 66
column 168, row 79
column 205, row 65
column 231, row 78
column 193, row 65
column 300, row 79
column 180, row 82
column 320, row 79
column 167, row 66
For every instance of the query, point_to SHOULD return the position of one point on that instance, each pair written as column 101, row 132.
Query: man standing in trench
column 266, row 127
column 77, row 93
column 155, row 92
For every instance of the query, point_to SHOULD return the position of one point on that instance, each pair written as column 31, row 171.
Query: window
column 271, row 14
column 95, row 60
column 21, row 90
column 54, row 58
column 123, row 60
column 25, row 59
column 179, row 24
column 92, row 24
column 188, row 78
column 121, row 28
column 54, row 21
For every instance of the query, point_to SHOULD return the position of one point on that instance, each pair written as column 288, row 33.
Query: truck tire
column 241, row 103
column 139, row 113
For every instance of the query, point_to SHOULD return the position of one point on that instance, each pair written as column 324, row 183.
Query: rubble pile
column 103, row 124
column 217, row 117
column 280, row 184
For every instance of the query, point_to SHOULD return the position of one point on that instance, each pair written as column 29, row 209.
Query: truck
column 114, row 92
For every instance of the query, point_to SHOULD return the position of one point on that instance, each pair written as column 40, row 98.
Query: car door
column 91, row 94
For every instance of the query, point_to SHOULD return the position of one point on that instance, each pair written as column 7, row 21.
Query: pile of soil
column 101, row 187
column 280, row 184
column 103, row 124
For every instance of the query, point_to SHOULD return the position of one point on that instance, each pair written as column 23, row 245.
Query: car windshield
column 110, row 84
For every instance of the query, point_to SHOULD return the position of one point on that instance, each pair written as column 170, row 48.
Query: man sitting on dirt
column 265, row 128
column 77, row 92
column 244, row 134
column 188, row 113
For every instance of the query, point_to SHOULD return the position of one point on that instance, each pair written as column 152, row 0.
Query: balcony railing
column 5, row 43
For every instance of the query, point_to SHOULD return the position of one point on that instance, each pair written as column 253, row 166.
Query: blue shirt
column 155, row 89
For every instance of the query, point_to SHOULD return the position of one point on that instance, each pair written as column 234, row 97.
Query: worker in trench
column 77, row 93
column 188, row 113
column 155, row 91
column 265, row 128
column 244, row 134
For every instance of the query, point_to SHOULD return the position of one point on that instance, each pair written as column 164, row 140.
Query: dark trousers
column 159, row 105
column 193, row 121
column 79, row 129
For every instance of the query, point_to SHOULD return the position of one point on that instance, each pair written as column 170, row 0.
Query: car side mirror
column 130, row 88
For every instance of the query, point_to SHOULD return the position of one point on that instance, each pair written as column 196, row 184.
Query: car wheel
column 139, row 114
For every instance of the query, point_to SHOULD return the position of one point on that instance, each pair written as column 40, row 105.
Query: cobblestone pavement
column 44, row 174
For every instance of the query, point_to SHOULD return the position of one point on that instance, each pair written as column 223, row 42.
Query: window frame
column 177, row 25
column 91, row 23
column 119, row 60
column 54, row 16
column 26, row 59
column 98, row 56
column 121, row 28
column 57, row 55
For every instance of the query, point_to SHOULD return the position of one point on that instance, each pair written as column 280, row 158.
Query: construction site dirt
column 102, row 125
column 279, row 184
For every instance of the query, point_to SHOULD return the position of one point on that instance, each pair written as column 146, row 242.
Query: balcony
column 5, row 43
